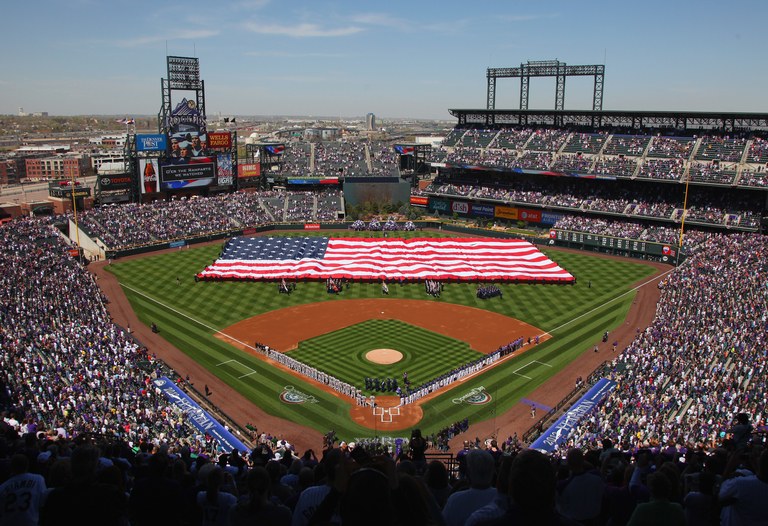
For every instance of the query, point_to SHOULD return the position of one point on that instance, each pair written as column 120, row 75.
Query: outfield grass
column 189, row 313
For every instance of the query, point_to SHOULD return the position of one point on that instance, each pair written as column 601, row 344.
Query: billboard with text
column 187, row 175
column 151, row 142
column 246, row 170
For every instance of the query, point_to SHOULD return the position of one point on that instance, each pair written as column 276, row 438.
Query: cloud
column 379, row 19
column 186, row 34
column 301, row 30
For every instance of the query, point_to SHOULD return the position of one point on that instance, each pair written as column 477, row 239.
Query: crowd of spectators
column 711, row 173
column 702, row 361
column 546, row 140
column 590, row 143
column 628, row 145
column 71, row 374
column 296, row 159
column 573, row 163
column 626, row 156
column 630, row 230
column 665, row 202
column 757, row 177
column 160, row 221
column 664, row 169
column 384, row 161
column 758, row 151
column 68, row 370
column 342, row 158
column 511, row 138
column 299, row 206
column 726, row 149
column 671, row 147
column 478, row 138
column 616, row 166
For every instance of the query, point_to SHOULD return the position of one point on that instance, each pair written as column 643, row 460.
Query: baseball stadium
column 555, row 293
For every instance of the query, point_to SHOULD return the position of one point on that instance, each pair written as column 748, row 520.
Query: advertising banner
column 224, row 169
column 245, row 170
column 559, row 431
column 550, row 218
column 460, row 207
column 148, row 175
column 506, row 212
column 114, row 182
column 220, row 140
column 419, row 201
column 532, row 216
column 439, row 205
column 177, row 176
column 203, row 421
column 312, row 226
column 483, row 210
column 156, row 142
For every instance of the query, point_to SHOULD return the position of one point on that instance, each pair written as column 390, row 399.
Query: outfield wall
column 630, row 248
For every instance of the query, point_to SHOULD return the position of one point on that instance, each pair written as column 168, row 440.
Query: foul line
column 630, row 291
column 203, row 325
column 217, row 331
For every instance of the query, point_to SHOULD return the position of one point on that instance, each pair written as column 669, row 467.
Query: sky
column 397, row 59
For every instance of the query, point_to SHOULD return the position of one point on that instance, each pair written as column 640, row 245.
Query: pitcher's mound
column 384, row 356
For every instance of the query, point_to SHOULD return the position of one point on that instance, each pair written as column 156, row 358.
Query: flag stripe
column 384, row 258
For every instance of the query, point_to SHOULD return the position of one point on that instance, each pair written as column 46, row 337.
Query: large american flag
column 473, row 259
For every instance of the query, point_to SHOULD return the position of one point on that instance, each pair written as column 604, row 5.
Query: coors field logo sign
column 291, row 395
column 476, row 396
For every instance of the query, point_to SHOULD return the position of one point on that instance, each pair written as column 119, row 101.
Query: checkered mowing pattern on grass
column 471, row 259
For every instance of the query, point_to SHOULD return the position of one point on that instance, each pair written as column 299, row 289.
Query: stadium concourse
column 80, row 411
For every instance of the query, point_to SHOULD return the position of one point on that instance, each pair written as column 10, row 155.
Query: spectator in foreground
column 460, row 505
column 21, row 495
column 257, row 508
column 579, row 497
column 743, row 498
column 659, row 511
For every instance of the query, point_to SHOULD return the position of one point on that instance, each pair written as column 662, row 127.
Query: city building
column 55, row 168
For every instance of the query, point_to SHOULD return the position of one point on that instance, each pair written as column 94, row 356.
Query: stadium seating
column 585, row 143
column 627, row 145
column 721, row 148
column 477, row 138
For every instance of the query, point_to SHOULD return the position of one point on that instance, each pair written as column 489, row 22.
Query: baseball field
column 217, row 324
